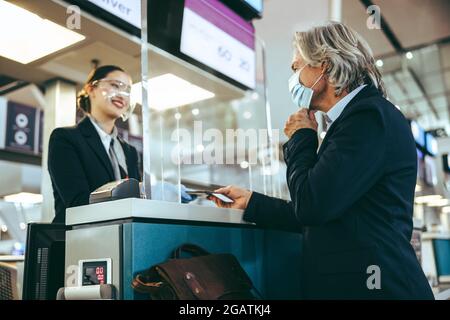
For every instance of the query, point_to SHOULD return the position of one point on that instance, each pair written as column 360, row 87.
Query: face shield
column 115, row 90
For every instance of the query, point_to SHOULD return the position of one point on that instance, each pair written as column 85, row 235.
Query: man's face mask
column 114, row 89
column 301, row 95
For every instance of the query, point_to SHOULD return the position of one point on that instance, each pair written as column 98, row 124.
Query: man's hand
column 299, row 120
column 238, row 195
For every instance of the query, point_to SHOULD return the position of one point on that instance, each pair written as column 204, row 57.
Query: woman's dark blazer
column 78, row 164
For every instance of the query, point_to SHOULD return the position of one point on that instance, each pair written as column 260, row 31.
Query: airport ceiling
column 104, row 43
column 419, row 86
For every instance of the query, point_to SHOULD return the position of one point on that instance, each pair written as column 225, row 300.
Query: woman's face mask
column 301, row 95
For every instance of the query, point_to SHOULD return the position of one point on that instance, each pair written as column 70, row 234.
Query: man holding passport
column 352, row 198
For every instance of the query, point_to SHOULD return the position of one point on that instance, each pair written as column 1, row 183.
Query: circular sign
column 20, row 137
column 21, row 120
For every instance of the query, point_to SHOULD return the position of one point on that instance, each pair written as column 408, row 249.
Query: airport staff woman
column 352, row 198
column 88, row 155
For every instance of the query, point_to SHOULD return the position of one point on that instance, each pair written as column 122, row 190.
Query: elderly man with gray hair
column 352, row 198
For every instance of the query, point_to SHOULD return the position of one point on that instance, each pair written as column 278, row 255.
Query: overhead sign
column 20, row 128
column 217, row 37
column 127, row 10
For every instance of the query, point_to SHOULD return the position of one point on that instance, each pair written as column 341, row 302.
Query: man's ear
column 324, row 66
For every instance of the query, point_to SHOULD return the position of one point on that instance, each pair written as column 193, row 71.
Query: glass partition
column 206, row 112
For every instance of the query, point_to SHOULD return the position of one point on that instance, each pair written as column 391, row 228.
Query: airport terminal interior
column 208, row 103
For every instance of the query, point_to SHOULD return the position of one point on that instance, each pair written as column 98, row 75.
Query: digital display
column 219, row 38
column 431, row 144
column 127, row 10
column 446, row 162
column 94, row 272
column 418, row 133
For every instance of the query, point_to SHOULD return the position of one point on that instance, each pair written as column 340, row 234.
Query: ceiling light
column 4, row 228
column 426, row 199
column 379, row 63
column 24, row 197
column 409, row 55
column 177, row 116
column 247, row 115
column 169, row 91
column 26, row 37
column 244, row 164
column 195, row 111
column 445, row 210
column 438, row 203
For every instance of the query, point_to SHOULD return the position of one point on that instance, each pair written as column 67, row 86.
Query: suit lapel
column 368, row 91
column 93, row 140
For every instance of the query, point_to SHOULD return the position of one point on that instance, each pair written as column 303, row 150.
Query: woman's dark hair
column 99, row 73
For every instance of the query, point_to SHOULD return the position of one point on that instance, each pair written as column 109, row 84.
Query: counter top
column 151, row 209
column 10, row 258
column 435, row 235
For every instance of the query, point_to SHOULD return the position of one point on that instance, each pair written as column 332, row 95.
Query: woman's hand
column 299, row 120
column 238, row 195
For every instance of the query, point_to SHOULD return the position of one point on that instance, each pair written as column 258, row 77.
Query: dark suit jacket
column 353, row 201
column 78, row 164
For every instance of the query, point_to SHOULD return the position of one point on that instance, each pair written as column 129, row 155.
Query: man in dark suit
column 79, row 164
column 352, row 198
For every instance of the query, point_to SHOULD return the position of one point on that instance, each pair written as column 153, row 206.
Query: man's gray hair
column 348, row 58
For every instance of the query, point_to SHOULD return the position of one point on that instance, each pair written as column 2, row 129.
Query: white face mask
column 301, row 95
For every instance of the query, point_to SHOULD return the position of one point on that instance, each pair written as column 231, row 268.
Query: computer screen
column 44, row 261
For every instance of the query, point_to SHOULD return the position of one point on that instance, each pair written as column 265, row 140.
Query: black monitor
column 44, row 261
column 205, row 33
column 248, row 9
column 446, row 162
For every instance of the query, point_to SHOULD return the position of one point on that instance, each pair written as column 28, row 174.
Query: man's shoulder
column 376, row 106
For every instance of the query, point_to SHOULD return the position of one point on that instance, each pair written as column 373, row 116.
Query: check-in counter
column 125, row 237
column 437, row 245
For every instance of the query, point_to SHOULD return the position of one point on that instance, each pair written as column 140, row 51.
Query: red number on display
column 99, row 270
